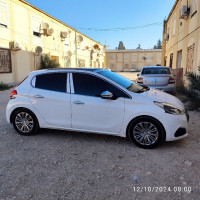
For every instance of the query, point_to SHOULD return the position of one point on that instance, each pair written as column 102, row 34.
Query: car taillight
column 13, row 94
column 171, row 80
column 140, row 80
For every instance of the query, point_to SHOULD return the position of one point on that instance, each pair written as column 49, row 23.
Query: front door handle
column 78, row 102
column 38, row 96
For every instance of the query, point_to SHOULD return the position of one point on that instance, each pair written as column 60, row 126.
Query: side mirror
column 106, row 95
column 138, row 75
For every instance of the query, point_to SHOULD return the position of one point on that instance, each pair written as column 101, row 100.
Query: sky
column 110, row 15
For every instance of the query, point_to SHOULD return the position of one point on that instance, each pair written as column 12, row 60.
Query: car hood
column 160, row 96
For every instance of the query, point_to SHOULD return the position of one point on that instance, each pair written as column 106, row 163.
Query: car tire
column 25, row 122
column 146, row 132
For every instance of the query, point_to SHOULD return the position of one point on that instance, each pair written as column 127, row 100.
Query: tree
column 139, row 46
column 159, row 45
column 47, row 63
column 121, row 46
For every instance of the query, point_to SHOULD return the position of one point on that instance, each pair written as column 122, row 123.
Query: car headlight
column 171, row 109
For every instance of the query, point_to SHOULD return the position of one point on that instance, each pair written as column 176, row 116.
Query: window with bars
column 3, row 15
column 193, row 7
column 5, row 61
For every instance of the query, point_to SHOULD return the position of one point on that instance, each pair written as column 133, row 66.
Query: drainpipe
column 164, row 43
column 104, row 57
column 75, row 50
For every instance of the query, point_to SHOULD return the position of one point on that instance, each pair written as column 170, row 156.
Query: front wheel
column 146, row 132
column 25, row 122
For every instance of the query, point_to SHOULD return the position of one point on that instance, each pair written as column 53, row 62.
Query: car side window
column 52, row 81
column 89, row 85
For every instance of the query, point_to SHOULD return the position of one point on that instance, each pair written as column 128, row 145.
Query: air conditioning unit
column 16, row 45
column 166, row 36
column 184, row 12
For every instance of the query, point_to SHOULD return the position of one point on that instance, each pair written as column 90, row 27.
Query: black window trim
column 35, row 76
column 98, row 76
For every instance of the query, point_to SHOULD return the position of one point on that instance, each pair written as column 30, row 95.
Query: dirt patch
column 64, row 165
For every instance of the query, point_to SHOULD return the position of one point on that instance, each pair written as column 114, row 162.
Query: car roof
column 67, row 70
column 154, row 67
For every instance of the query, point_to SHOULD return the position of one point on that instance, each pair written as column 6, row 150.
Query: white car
column 96, row 101
column 157, row 77
column 134, row 70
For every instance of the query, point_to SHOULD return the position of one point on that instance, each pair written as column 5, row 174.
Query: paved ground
column 130, row 75
column 64, row 165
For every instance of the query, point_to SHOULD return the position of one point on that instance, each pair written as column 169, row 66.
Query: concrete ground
column 129, row 75
column 63, row 165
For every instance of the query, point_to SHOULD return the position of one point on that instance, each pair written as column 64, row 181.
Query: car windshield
column 124, row 82
column 156, row 70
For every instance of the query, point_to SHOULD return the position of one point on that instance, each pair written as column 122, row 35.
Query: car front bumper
column 176, row 126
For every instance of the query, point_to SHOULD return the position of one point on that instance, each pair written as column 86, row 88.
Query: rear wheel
column 25, row 122
column 146, row 132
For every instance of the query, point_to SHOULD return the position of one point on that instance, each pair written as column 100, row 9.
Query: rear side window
column 54, row 82
column 161, row 70
column 89, row 85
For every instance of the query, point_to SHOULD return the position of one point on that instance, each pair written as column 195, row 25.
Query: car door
column 89, row 110
column 51, row 97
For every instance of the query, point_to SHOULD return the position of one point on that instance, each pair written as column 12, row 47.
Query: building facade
column 26, row 33
column 124, row 60
column 181, row 36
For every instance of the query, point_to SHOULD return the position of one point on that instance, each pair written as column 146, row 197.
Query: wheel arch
column 20, row 108
column 144, row 116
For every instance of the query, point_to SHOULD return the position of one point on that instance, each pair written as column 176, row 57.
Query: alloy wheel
column 24, row 122
column 145, row 133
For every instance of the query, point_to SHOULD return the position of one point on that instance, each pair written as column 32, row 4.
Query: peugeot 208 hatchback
column 96, row 101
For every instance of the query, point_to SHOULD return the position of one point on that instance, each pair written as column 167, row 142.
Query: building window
column 165, row 61
column 174, row 26
column 3, row 15
column 171, row 61
column 134, row 57
column 193, row 8
column 190, row 58
column 179, row 59
column 81, row 62
column 126, row 67
column 36, row 26
column 55, row 58
column 112, row 58
column 5, row 61
column 67, row 61
column 126, row 57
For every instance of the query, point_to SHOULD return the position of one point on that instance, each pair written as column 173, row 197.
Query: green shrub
column 194, row 81
column 4, row 86
column 47, row 63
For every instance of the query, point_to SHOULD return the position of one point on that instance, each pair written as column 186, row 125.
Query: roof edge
column 173, row 8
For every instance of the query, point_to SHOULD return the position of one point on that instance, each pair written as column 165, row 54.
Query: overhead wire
column 120, row 28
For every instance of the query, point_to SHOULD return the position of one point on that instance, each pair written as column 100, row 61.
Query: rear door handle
column 78, row 102
column 38, row 96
